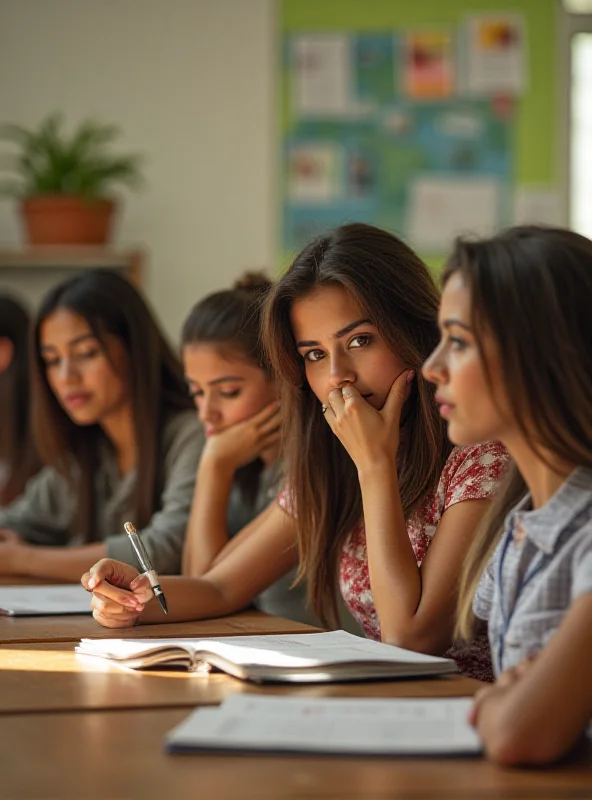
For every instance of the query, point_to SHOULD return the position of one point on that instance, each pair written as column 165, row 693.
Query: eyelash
column 457, row 343
column 230, row 395
column 54, row 362
column 365, row 337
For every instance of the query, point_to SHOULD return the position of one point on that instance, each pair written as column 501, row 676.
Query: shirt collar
column 543, row 526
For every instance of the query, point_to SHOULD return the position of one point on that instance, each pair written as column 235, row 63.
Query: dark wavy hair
column 17, row 448
column 231, row 320
column 396, row 292
column 110, row 305
column 531, row 292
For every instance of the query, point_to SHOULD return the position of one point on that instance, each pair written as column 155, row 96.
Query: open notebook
column 25, row 601
column 329, row 725
column 301, row 658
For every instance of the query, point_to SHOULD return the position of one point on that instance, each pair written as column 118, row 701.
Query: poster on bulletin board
column 379, row 128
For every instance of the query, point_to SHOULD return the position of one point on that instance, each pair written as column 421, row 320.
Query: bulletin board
column 408, row 119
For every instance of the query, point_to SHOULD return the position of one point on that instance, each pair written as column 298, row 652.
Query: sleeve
column 484, row 594
column 163, row 537
column 582, row 567
column 43, row 514
column 474, row 473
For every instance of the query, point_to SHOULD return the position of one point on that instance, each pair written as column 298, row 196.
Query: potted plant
column 63, row 182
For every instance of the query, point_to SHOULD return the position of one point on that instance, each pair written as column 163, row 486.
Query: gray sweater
column 44, row 513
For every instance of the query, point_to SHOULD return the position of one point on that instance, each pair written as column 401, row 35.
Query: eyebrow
column 343, row 332
column 449, row 323
column 77, row 340
column 224, row 379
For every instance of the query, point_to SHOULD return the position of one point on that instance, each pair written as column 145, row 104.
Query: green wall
column 536, row 110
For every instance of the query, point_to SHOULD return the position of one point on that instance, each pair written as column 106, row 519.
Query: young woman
column 115, row 427
column 18, row 456
column 236, row 398
column 515, row 364
column 375, row 492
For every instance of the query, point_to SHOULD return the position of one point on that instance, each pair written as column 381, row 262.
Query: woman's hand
column 242, row 443
column 500, row 688
column 12, row 552
column 370, row 437
column 119, row 592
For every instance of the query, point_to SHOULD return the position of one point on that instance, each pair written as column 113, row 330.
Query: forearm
column 207, row 532
column 58, row 563
column 191, row 599
column 395, row 578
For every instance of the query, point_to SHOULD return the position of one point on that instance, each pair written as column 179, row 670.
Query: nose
column 207, row 410
column 434, row 368
column 67, row 372
column 341, row 371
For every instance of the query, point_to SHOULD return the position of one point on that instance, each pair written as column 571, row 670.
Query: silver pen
column 146, row 564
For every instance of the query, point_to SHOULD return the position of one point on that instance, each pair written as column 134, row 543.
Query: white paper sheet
column 537, row 205
column 441, row 208
column 44, row 600
column 495, row 54
column 298, row 650
column 321, row 71
column 363, row 726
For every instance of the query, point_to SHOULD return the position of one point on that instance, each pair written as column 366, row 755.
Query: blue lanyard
column 534, row 568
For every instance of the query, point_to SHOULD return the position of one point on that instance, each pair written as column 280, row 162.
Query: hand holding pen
column 146, row 564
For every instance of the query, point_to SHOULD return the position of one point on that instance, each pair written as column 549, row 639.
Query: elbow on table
column 512, row 748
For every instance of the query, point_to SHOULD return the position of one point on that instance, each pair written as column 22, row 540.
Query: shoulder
column 473, row 473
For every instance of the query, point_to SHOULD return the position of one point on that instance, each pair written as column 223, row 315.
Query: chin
column 84, row 418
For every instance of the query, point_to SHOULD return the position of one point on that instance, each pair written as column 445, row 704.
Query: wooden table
column 119, row 754
column 75, row 627
column 51, row 677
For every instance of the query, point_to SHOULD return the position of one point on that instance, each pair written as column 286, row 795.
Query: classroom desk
column 51, row 677
column 119, row 755
column 72, row 628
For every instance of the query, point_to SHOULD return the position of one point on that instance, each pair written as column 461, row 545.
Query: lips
column 77, row 399
column 445, row 407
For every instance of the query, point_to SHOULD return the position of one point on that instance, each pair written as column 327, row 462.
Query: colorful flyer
column 495, row 54
column 428, row 65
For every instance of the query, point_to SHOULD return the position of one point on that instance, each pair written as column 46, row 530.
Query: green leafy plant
column 51, row 162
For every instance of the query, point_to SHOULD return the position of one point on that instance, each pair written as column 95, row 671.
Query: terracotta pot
column 63, row 219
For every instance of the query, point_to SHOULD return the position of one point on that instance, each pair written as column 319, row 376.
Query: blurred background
column 260, row 123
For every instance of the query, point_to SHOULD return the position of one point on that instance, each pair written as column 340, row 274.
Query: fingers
column 269, row 412
column 140, row 594
column 399, row 392
column 108, row 570
column 479, row 699
column 109, row 607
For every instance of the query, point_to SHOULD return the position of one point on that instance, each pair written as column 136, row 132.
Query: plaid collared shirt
column 541, row 565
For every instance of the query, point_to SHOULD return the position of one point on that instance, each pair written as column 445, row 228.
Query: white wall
column 191, row 84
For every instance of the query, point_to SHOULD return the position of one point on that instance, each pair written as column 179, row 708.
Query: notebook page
column 41, row 600
column 373, row 726
column 298, row 650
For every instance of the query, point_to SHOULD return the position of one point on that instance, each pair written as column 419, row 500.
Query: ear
column 6, row 353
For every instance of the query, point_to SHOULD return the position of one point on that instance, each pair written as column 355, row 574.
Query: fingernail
column 346, row 392
column 410, row 375
column 92, row 582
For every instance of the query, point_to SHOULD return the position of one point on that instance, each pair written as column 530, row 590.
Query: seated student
column 379, row 495
column 235, row 394
column 18, row 456
column 116, row 429
column 515, row 364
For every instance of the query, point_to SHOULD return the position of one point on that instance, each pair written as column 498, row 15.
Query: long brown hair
column 231, row 320
column 17, row 448
column 396, row 292
column 110, row 305
column 531, row 292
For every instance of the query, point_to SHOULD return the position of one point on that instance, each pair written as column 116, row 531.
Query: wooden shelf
column 74, row 257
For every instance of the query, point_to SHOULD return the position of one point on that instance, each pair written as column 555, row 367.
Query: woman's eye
column 314, row 355
column 361, row 340
column 456, row 343
column 194, row 393
column 87, row 354
column 229, row 395
column 49, row 363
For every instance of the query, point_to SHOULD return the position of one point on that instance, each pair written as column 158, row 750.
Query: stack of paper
column 338, row 726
